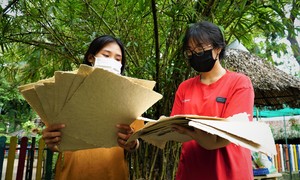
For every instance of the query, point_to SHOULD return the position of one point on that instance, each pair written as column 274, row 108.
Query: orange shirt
column 98, row 163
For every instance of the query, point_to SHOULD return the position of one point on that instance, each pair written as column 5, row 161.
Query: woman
column 99, row 163
column 214, row 92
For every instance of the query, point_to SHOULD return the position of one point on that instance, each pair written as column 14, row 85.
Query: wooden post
column 2, row 151
column 11, row 158
column 22, row 158
column 40, row 159
column 49, row 158
column 30, row 159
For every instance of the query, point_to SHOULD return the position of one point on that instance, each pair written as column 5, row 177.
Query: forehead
column 113, row 48
column 192, row 43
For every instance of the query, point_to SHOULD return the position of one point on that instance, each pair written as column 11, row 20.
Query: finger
column 130, row 145
column 131, row 142
column 55, row 127
column 201, row 132
column 53, row 141
column 124, row 128
column 123, row 136
column 122, row 143
column 181, row 129
column 50, row 135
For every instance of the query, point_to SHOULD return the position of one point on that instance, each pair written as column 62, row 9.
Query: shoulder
column 239, row 78
column 236, row 74
column 188, row 82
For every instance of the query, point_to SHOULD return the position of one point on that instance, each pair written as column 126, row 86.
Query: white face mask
column 108, row 64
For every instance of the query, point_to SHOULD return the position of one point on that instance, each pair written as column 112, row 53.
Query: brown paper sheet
column 255, row 136
column 256, row 132
column 63, row 82
column 31, row 97
column 90, row 101
column 109, row 101
column 45, row 93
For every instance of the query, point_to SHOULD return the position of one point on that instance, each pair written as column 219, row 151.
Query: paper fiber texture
column 159, row 132
column 90, row 101
column 256, row 136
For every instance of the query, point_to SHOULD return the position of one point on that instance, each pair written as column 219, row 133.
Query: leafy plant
column 289, row 130
column 11, row 104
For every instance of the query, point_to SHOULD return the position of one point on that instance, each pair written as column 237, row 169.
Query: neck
column 214, row 75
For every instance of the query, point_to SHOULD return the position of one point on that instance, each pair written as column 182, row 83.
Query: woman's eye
column 199, row 50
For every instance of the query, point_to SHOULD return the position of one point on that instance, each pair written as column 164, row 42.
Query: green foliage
column 150, row 162
column 288, row 129
column 7, row 137
column 40, row 37
column 11, row 104
column 32, row 129
column 295, row 125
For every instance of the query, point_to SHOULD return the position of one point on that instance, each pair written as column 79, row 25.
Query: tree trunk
column 292, row 35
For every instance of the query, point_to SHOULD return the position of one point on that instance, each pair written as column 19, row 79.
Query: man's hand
column 204, row 139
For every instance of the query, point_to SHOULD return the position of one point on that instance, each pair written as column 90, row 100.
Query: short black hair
column 205, row 33
column 100, row 42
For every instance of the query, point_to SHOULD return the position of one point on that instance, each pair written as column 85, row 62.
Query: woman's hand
column 204, row 139
column 52, row 136
column 124, row 132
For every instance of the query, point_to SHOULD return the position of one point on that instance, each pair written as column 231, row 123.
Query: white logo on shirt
column 186, row 100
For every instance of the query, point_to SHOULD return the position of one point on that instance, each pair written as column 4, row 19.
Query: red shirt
column 193, row 97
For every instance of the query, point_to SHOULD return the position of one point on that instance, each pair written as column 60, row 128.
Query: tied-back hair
column 205, row 32
column 99, row 43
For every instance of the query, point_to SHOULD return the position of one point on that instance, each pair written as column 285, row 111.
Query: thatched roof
column 273, row 87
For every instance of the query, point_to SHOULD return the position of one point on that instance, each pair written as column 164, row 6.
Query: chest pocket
column 221, row 103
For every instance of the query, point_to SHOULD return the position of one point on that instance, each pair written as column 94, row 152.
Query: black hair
column 100, row 42
column 205, row 33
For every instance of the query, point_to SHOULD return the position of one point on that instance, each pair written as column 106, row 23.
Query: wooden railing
column 25, row 153
column 287, row 158
column 31, row 160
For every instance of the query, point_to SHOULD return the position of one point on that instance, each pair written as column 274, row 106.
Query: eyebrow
column 119, row 55
column 200, row 45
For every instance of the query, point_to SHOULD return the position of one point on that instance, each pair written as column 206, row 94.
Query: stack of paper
column 256, row 136
column 90, row 101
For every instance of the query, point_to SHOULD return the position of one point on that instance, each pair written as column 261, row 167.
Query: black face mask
column 202, row 63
